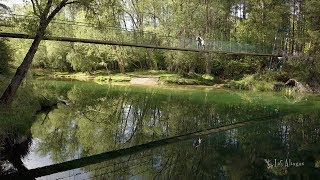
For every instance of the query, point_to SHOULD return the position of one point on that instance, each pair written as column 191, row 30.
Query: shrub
column 235, row 69
column 250, row 83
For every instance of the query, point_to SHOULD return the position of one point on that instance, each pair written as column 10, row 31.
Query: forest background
column 255, row 22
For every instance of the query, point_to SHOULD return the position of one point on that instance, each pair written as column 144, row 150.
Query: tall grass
column 249, row 82
column 18, row 117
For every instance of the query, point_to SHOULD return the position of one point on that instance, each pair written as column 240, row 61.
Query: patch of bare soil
column 145, row 80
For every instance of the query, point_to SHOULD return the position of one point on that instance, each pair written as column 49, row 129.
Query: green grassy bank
column 255, row 82
column 19, row 116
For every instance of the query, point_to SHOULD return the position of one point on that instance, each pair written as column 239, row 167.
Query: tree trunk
column 22, row 70
column 192, row 69
column 121, row 66
column 45, row 18
column 293, row 28
column 299, row 25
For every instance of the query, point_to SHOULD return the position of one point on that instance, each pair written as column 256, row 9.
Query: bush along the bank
column 235, row 68
column 250, row 83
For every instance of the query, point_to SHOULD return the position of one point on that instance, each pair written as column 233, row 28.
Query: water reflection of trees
column 101, row 118
column 14, row 147
column 219, row 157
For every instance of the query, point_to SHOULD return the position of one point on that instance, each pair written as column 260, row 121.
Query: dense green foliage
column 5, row 57
column 177, row 22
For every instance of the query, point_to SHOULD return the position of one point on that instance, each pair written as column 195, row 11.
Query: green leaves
column 5, row 57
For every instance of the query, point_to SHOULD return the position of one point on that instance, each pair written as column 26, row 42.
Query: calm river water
column 137, row 132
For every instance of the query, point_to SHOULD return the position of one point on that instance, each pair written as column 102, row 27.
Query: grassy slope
column 256, row 82
column 19, row 116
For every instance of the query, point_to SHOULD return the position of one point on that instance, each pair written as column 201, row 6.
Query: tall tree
column 312, row 13
column 300, row 29
column 45, row 11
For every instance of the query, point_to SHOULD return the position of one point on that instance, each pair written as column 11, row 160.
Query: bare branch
column 38, row 5
column 36, row 12
column 132, row 19
column 46, row 10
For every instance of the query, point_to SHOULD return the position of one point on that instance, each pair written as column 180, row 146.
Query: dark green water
column 280, row 139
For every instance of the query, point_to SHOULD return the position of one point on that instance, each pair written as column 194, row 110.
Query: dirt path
column 145, row 80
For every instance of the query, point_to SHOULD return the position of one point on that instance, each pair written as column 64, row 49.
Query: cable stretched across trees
column 146, row 38
column 128, row 44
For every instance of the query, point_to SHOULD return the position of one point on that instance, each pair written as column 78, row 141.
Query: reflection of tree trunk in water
column 133, row 133
column 170, row 168
column 140, row 116
column 16, row 148
column 286, row 135
column 138, row 149
column 118, row 109
column 154, row 122
column 202, row 153
column 123, row 129
column 145, row 106
column 133, row 126
column 167, row 164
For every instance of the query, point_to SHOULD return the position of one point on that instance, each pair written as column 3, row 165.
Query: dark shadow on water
column 14, row 148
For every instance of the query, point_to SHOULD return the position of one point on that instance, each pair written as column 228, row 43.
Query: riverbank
column 256, row 82
column 151, row 77
column 261, row 82
column 18, row 117
column 29, row 101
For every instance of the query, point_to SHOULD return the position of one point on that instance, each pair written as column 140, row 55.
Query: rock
column 299, row 87
column 291, row 82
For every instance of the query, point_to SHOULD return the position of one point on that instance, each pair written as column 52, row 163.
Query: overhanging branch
column 57, row 9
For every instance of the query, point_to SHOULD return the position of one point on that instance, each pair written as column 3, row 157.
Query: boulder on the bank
column 298, row 86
